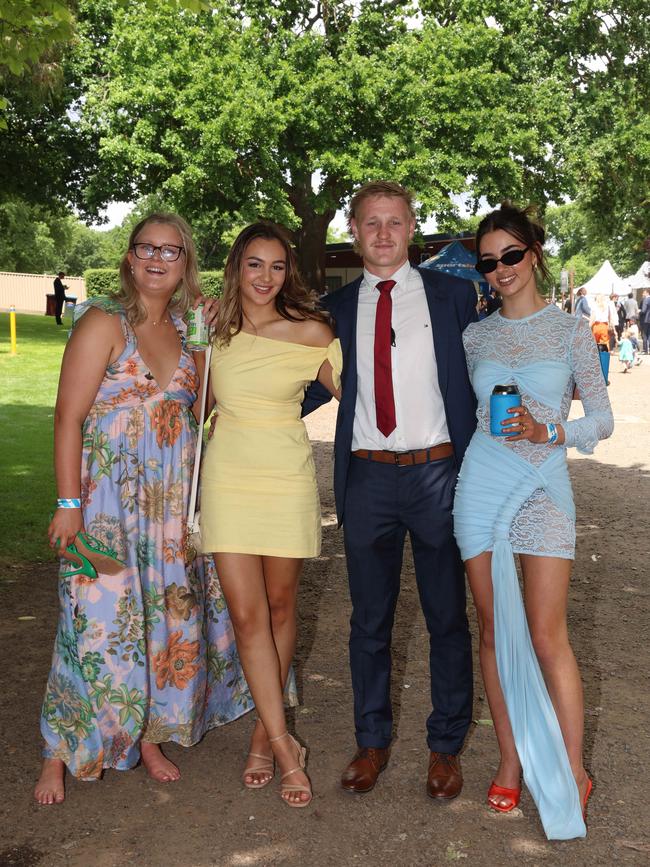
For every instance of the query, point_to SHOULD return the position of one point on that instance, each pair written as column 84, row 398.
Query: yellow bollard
column 12, row 329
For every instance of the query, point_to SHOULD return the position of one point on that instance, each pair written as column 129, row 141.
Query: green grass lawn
column 28, row 383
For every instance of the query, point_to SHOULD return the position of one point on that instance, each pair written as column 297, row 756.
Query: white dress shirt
column 419, row 408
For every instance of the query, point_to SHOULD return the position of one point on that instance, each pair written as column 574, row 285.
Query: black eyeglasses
column 512, row 257
column 168, row 252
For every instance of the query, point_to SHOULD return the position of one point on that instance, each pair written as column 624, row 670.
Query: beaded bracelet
column 551, row 429
column 68, row 503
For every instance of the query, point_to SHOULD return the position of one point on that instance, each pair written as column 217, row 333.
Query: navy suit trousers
column 383, row 502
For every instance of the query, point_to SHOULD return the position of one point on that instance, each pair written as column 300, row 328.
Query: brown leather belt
column 407, row 459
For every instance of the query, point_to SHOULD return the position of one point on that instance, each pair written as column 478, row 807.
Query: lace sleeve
column 469, row 345
column 598, row 420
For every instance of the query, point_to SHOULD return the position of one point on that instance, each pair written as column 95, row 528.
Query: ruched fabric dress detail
column 516, row 496
column 258, row 480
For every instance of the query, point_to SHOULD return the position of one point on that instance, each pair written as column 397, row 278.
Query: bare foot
column 158, row 767
column 49, row 788
column 260, row 756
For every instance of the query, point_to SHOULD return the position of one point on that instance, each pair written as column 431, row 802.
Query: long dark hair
column 522, row 224
column 293, row 302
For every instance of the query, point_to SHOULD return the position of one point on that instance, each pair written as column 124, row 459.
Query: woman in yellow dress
column 260, row 512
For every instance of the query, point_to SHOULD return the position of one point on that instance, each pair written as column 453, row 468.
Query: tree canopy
column 230, row 110
column 282, row 109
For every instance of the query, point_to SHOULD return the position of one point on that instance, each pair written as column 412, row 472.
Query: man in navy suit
column 406, row 416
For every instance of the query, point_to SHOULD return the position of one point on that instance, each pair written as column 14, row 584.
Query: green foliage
column 272, row 110
column 247, row 108
column 582, row 244
column 101, row 281
column 29, row 383
column 28, row 242
column 39, row 240
column 337, row 236
column 106, row 281
column 29, row 29
column 212, row 283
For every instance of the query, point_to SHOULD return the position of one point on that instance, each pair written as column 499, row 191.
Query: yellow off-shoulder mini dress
column 258, row 480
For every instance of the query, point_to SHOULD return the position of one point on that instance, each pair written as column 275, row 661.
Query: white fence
column 28, row 292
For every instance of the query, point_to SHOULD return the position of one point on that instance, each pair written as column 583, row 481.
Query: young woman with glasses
column 129, row 664
column 514, row 497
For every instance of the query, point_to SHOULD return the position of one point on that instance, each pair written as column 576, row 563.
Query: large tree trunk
column 310, row 246
column 311, row 235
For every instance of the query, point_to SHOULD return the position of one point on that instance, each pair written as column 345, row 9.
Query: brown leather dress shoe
column 445, row 778
column 361, row 774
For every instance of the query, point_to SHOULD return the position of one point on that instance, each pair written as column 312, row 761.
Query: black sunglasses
column 512, row 257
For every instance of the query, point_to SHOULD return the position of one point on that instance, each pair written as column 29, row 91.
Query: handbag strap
column 199, row 441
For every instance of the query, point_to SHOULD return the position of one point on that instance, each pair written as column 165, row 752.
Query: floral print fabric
column 148, row 653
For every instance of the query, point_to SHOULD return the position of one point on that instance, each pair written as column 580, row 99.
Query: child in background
column 633, row 330
column 626, row 351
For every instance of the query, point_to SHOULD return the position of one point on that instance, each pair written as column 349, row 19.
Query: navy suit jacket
column 452, row 306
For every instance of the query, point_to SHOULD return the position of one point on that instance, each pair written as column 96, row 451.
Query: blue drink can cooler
column 503, row 397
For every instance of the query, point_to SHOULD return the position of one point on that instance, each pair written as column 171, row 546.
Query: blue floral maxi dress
column 147, row 654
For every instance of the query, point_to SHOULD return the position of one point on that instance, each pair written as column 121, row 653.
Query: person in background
column 619, row 320
column 59, row 296
column 633, row 334
column 631, row 309
column 603, row 320
column 582, row 308
column 514, row 496
column 626, row 352
column 644, row 318
column 493, row 302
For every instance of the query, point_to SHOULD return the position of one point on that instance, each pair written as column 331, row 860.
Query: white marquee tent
column 605, row 282
column 640, row 280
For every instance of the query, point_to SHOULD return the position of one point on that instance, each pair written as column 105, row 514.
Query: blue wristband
column 551, row 430
column 68, row 503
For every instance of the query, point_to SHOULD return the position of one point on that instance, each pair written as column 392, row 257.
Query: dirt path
column 209, row 819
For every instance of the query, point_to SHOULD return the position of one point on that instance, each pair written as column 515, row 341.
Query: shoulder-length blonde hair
column 188, row 288
column 293, row 302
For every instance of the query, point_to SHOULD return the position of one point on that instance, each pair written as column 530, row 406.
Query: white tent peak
column 604, row 282
column 640, row 280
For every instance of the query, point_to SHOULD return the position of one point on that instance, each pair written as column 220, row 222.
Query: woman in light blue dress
column 514, row 496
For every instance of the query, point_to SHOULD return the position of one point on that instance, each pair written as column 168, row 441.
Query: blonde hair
column 188, row 288
column 293, row 302
column 391, row 189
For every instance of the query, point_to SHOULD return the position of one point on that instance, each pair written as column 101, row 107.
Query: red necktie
column 384, row 399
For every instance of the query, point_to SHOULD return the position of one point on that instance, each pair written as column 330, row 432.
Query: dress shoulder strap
column 112, row 306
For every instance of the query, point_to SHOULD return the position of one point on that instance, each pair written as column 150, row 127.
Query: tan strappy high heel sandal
column 288, row 788
column 264, row 766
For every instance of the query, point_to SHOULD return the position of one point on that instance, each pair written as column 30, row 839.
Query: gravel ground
column 208, row 818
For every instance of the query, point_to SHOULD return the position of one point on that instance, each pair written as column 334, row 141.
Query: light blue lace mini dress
column 545, row 355
column 516, row 497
